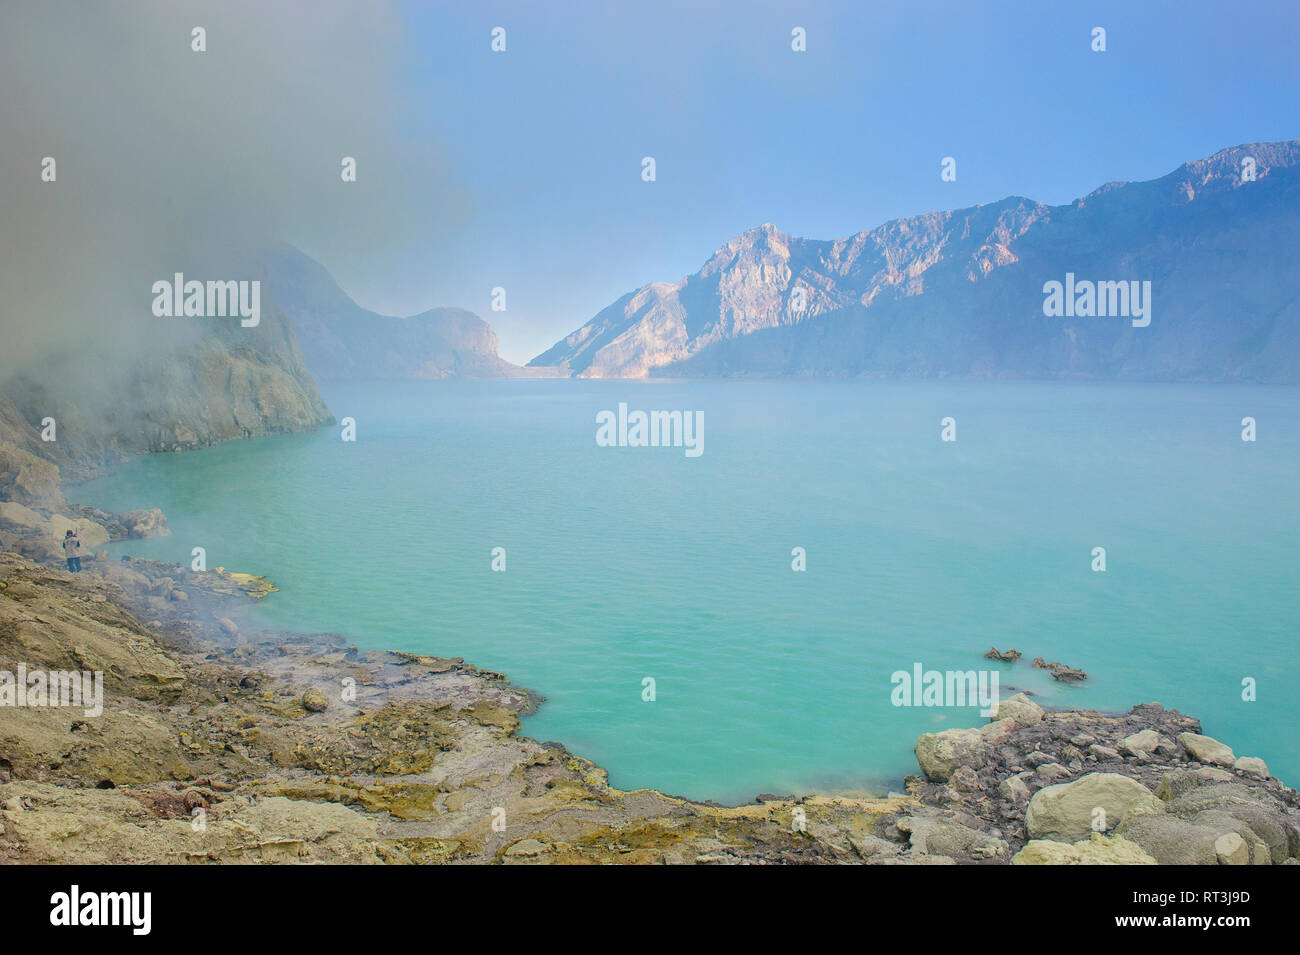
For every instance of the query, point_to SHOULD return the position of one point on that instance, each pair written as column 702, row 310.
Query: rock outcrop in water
column 222, row 743
column 960, row 294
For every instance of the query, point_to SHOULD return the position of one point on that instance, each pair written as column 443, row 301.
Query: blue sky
column 539, row 148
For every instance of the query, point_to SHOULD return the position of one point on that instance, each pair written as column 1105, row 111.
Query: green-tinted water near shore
column 627, row 563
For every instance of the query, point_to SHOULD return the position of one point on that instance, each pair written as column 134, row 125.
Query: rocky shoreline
column 222, row 743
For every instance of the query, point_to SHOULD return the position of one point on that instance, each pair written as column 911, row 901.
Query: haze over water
column 624, row 563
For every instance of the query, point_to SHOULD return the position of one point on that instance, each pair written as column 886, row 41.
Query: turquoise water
column 625, row 563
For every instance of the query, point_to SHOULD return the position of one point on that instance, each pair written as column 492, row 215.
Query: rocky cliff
column 342, row 340
column 962, row 293
column 220, row 381
column 204, row 381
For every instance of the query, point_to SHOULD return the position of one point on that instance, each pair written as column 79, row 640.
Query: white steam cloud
column 169, row 160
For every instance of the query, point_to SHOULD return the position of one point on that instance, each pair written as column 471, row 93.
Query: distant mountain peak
column 342, row 340
column 873, row 303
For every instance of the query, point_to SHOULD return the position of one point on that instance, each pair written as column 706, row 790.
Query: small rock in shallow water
column 315, row 701
column 145, row 523
column 1066, row 674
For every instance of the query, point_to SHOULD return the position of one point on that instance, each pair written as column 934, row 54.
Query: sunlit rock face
column 961, row 293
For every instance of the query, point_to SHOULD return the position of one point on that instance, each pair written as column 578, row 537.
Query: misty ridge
column 111, row 188
column 944, row 294
column 1010, row 289
column 1202, row 260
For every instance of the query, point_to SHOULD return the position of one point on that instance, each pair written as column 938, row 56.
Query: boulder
column 1232, row 849
column 940, row 754
column 1059, row 671
column 1066, row 674
column 1178, row 781
column 1019, row 708
column 1206, row 749
column 1065, row 812
column 1223, row 824
column 41, row 538
column 1014, row 790
column 1139, row 744
column 1170, row 840
column 964, row 779
column 315, row 701
column 1251, row 766
column 92, row 535
column 27, row 479
column 1037, row 758
column 145, row 523
column 952, row 839
column 1095, row 850
column 20, row 516
column 1270, row 823
column 873, row 847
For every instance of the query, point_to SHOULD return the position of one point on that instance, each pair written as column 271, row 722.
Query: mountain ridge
column 883, row 301
column 343, row 340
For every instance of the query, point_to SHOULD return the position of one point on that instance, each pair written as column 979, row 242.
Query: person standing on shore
column 72, row 551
